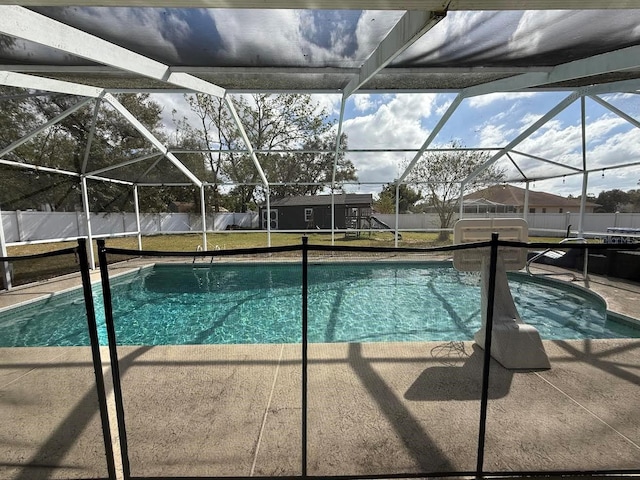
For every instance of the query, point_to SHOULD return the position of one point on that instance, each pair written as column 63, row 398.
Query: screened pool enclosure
column 364, row 379
column 454, row 52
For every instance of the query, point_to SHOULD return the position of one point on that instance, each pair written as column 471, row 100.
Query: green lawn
column 231, row 240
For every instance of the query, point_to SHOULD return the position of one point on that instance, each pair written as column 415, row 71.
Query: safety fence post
column 305, row 252
column 95, row 353
column 113, row 355
column 487, row 354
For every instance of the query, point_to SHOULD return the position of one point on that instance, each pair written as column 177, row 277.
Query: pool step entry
column 515, row 344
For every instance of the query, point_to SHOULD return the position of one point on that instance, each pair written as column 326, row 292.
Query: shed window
column 308, row 214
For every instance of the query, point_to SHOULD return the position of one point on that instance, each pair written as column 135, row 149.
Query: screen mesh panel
column 50, row 424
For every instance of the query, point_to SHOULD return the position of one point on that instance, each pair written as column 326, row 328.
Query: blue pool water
column 261, row 303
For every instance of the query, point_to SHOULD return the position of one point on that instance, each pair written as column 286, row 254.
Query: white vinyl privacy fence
column 540, row 224
column 35, row 226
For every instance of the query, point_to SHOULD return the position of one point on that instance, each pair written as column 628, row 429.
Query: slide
column 381, row 224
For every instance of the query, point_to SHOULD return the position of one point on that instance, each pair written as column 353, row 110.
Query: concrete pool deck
column 382, row 408
column 373, row 409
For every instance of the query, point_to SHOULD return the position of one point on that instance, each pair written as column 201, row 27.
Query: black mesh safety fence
column 53, row 411
column 480, row 359
column 41, row 268
column 203, row 342
column 564, row 364
column 391, row 357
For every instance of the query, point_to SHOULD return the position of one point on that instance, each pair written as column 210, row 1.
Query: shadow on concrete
column 424, row 450
column 601, row 360
column 460, row 382
column 48, row 460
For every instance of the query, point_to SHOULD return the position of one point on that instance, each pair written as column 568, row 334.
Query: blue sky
column 405, row 120
column 492, row 121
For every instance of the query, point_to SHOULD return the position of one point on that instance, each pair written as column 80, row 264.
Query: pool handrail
column 557, row 254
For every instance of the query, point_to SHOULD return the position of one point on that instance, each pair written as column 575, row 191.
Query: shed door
column 273, row 219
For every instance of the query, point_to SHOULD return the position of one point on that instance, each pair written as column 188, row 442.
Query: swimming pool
column 226, row 303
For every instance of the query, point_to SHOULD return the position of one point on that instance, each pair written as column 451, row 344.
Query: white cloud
column 396, row 123
column 329, row 102
column 362, row 102
column 484, row 100
column 284, row 35
column 274, row 35
column 529, row 119
column 145, row 22
column 441, row 109
column 170, row 102
column 602, row 127
column 620, row 148
column 495, row 135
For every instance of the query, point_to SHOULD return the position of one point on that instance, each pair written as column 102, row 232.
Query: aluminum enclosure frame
column 417, row 21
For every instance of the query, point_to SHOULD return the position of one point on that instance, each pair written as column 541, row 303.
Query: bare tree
column 437, row 176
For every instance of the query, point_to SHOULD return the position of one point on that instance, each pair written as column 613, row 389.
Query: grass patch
column 233, row 240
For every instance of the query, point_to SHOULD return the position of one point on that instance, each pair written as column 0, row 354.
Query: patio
column 382, row 408
column 373, row 408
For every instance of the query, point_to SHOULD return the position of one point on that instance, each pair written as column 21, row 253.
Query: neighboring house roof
column 320, row 200
column 510, row 195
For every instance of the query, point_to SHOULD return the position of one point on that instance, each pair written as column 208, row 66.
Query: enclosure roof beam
column 43, row 127
column 124, row 164
column 546, row 160
column 524, row 135
column 109, row 180
column 146, row 172
column 336, row 151
column 152, row 138
column 92, row 132
column 581, row 172
column 409, row 28
column 628, row 86
column 38, row 168
column 22, row 80
column 623, row 59
column 441, row 123
column 22, row 23
column 247, row 142
column 513, row 162
column 346, row 4
column 615, row 110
